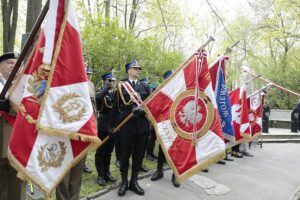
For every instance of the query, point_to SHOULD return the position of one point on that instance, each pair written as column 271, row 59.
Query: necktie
column 133, row 84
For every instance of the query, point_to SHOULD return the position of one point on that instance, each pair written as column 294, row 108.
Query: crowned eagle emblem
column 187, row 114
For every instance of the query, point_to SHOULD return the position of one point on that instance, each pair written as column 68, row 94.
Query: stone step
column 280, row 140
column 280, row 136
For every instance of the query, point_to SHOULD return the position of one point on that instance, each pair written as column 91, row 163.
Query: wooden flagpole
column 275, row 85
column 210, row 39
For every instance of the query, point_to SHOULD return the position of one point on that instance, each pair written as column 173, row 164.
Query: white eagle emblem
column 188, row 113
column 236, row 113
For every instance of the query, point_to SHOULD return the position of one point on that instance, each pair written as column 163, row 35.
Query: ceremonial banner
column 240, row 117
column 55, row 125
column 188, row 128
column 217, row 74
column 254, row 104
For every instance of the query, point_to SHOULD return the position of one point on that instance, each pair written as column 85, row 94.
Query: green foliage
column 109, row 48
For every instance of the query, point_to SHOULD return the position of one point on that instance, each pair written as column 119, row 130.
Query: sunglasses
column 136, row 68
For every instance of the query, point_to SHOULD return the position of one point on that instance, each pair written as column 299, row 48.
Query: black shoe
column 143, row 169
column 150, row 157
column 86, row 169
column 109, row 177
column 236, row 155
column 118, row 163
column 123, row 188
column 157, row 175
column 228, row 159
column 174, row 181
column 245, row 153
column 205, row 170
column 134, row 186
column 101, row 181
column 221, row 162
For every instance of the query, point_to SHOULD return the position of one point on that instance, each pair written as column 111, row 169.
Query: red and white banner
column 55, row 125
column 254, row 103
column 240, row 117
column 190, row 133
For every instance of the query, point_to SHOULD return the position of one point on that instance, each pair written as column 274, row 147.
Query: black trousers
column 118, row 146
column 103, row 154
column 132, row 144
column 151, row 142
column 161, row 158
column 236, row 148
column 265, row 126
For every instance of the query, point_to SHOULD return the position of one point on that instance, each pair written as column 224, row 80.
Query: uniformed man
column 133, row 134
column 298, row 109
column 161, row 157
column 11, row 188
column 104, row 101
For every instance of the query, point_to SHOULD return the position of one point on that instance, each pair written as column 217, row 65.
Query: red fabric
column 182, row 153
column 160, row 111
column 183, row 156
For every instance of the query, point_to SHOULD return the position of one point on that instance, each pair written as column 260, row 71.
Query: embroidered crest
column 69, row 107
column 51, row 155
column 38, row 82
column 182, row 114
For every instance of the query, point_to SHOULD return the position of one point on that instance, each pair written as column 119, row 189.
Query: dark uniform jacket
column 104, row 102
column 123, row 106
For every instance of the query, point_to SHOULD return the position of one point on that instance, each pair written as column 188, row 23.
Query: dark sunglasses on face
column 137, row 68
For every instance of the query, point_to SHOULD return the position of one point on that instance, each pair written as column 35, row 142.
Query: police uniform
column 133, row 134
column 161, row 157
column 11, row 187
column 104, row 101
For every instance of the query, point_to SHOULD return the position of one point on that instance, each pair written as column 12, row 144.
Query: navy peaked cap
column 168, row 73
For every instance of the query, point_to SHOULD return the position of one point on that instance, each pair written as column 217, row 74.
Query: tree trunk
column 34, row 8
column 107, row 12
column 9, row 19
column 132, row 17
column 125, row 15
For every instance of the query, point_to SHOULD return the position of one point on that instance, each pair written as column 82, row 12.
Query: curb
column 115, row 186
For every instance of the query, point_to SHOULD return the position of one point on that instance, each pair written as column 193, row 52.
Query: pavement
column 273, row 173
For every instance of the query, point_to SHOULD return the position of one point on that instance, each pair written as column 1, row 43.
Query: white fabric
column 244, row 127
column 49, row 177
column 72, row 19
column 49, row 31
column 50, row 118
column 175, row 86
column 207, row 146
column 20, row 90
column 210, row 93
column 166, row 133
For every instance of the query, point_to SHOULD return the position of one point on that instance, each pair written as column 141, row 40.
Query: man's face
column 111, row 83
column 134, row 72
column 6, row 66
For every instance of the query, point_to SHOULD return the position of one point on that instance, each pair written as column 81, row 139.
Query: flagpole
column 25, row 49
column 210, row 39
column 275, row 85
column 257, row 91
column 229, row 49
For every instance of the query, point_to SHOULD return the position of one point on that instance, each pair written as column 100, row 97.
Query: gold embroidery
column 28, row 117
column 66, row 104
column 51, row 155
column 208, row 121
